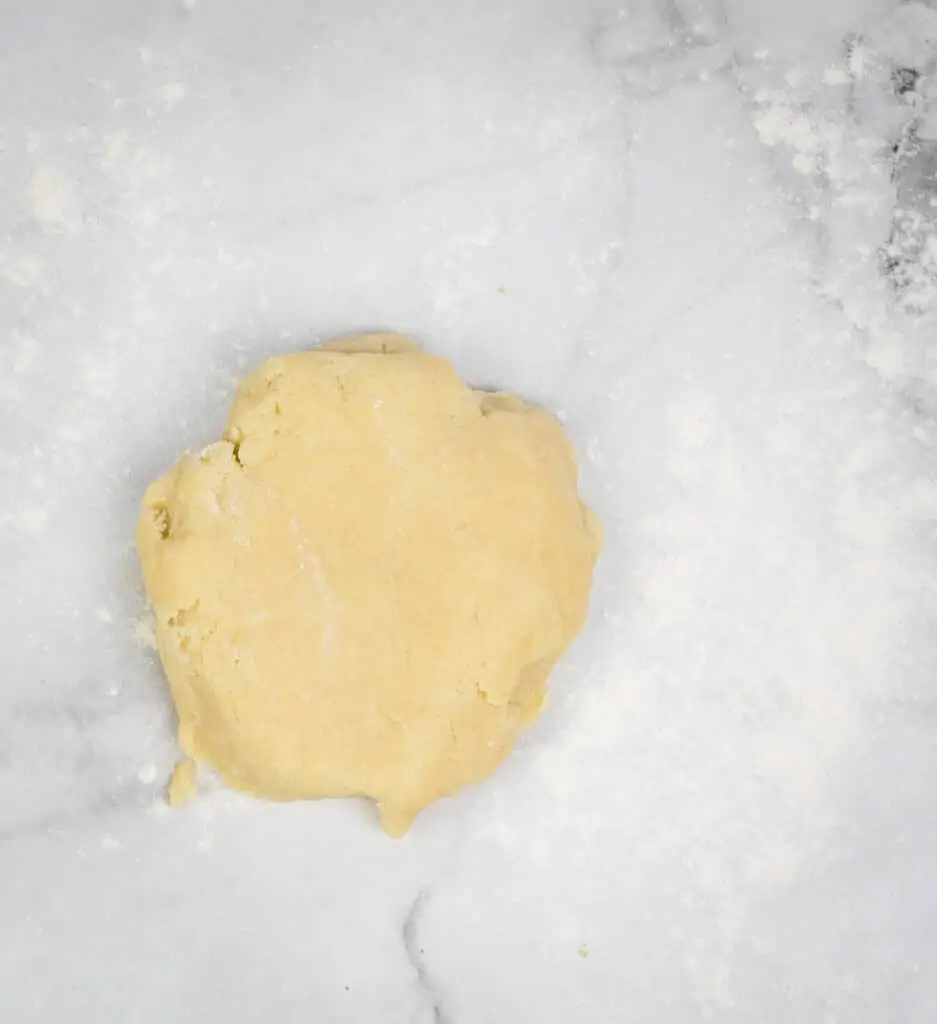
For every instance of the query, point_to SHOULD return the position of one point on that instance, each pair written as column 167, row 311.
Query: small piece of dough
column 361, row 590
column 183, row 782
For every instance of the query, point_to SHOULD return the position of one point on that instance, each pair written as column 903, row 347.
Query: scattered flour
column 20, row 269
column 859, row 140
column 144, row 634
column 172, row 93
column 30, row 521
column 55, row 202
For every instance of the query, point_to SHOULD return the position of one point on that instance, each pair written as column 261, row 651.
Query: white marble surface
column 703, row 230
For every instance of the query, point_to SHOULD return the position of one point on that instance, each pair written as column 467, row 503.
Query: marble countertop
column 702, row 231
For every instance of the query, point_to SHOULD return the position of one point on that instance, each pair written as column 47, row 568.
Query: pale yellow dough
column 362, row 589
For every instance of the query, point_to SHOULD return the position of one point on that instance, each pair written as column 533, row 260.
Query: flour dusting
column 55, row 200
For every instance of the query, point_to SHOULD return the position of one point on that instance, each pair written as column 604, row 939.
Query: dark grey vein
column 410, row 938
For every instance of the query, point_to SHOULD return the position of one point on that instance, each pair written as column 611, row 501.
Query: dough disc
column 361, row 590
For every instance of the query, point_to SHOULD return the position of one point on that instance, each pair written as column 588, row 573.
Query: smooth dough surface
column 362, row 589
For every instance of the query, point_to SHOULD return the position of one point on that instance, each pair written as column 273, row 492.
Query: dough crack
column 162, row 520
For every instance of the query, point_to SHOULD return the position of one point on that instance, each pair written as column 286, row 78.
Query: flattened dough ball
column 361, row 589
